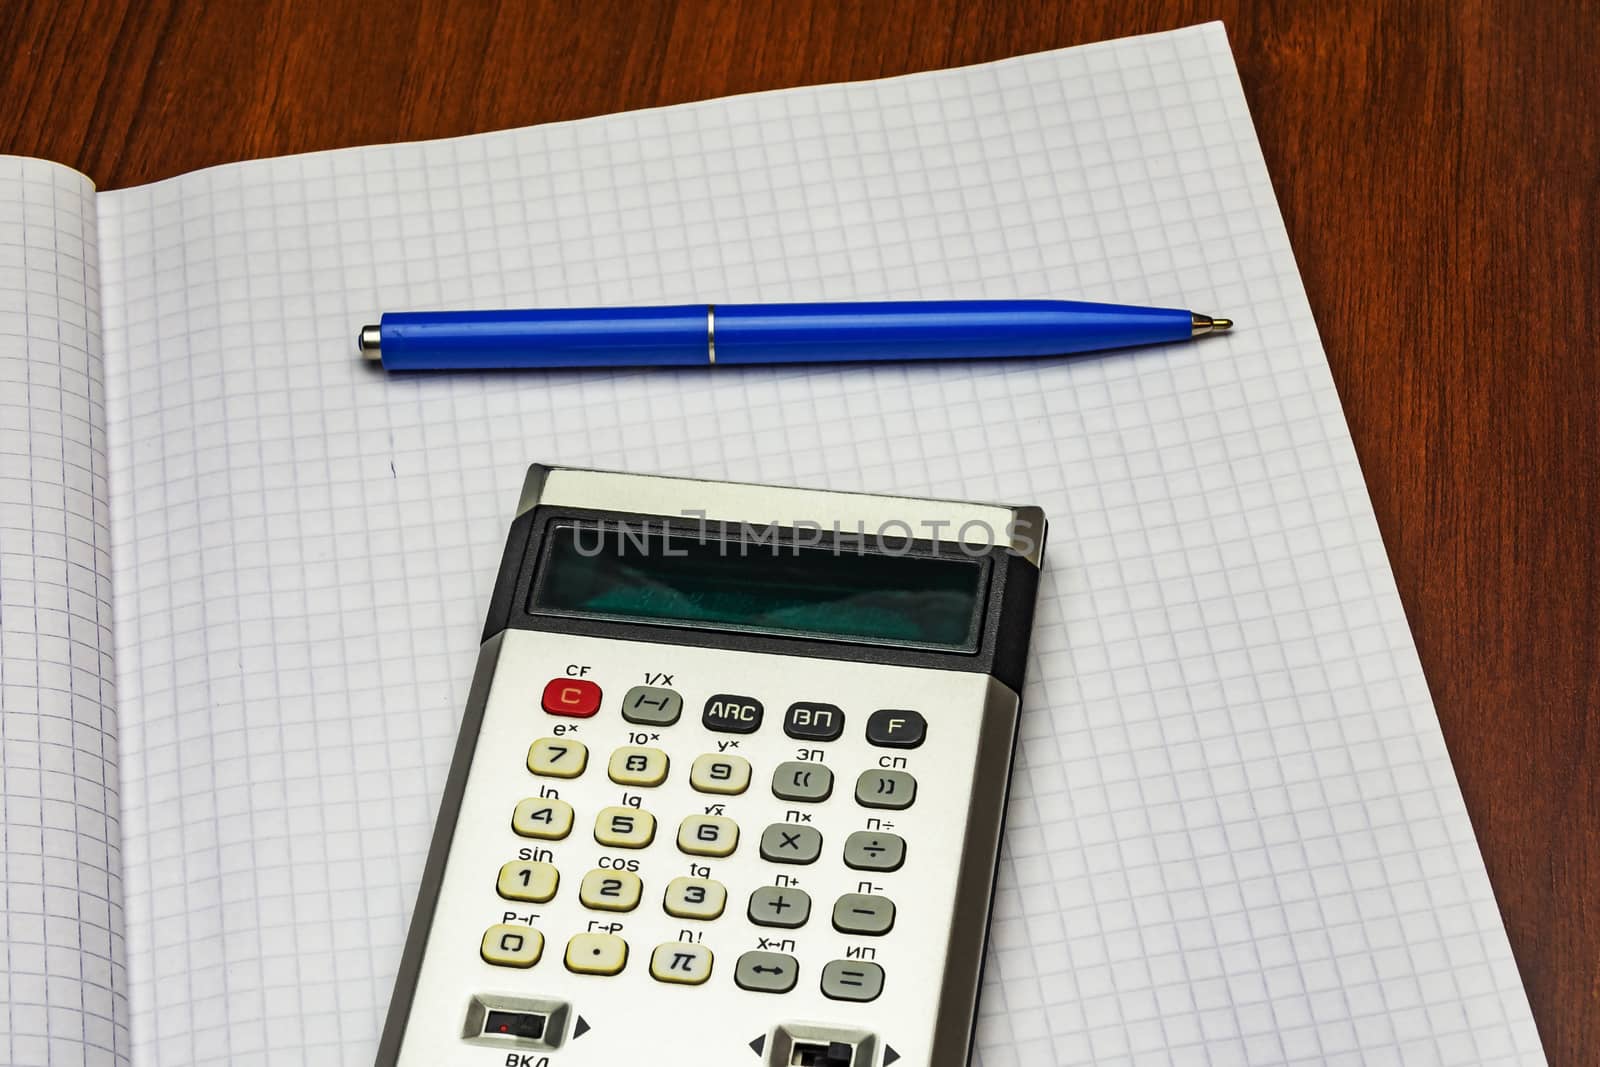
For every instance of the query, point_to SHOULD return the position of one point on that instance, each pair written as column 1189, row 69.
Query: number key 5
column 624, row 827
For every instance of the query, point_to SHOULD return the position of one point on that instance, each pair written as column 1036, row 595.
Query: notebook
column 242, row 575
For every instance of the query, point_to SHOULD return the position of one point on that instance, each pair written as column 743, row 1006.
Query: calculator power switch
column 516, row 1022
column 806, row 1045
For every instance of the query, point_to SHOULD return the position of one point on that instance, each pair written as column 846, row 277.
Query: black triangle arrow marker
column 581, row 1028
column 759, row 1043
column 889, row 1055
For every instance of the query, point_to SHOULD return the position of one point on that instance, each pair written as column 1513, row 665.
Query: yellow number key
column 729, row 775
column 606, row 890
column 636, row 765
column 624, row 827
column 528, row 880
column 558, row 757
column 708, row 835
column 512, row 946
column 544, row 817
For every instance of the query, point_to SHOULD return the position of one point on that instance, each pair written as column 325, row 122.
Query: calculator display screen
column 695, row 578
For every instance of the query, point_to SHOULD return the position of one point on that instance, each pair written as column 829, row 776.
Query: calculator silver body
column 923, row 993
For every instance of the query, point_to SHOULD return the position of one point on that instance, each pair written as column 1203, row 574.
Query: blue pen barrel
column 545, row 338
column 936, row 329
column 683, row 335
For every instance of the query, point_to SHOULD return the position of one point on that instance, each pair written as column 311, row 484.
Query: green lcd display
column 700, row 579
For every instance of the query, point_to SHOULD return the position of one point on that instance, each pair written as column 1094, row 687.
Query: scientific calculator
column 730, row 783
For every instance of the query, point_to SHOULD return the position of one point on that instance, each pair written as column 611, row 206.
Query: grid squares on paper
column 1235, row 836
column 63, row 997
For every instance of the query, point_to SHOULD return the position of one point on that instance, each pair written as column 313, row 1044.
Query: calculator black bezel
column 1005, row 618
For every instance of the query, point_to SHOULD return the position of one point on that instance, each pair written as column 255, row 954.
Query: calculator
column 730, row 782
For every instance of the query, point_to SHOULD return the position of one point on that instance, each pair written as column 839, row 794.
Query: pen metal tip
column 1204, row 324
column 369, row 342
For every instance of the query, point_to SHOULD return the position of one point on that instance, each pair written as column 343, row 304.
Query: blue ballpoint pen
column 700, row 334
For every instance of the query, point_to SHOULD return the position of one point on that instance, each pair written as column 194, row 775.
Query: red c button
column 571, row 696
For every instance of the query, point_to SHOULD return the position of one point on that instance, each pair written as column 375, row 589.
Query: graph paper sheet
column 1235, row 836
column 63, row 995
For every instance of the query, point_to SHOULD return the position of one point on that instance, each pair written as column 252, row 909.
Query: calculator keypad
column 681, row 851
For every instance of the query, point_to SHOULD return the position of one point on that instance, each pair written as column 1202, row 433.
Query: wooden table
column 1438, row 165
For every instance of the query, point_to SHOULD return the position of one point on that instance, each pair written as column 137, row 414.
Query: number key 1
column 528, row 880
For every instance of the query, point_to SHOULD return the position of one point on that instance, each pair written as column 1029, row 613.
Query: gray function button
column 782, row 843
column 773, row 905
column 863, row 913
column 766, row 972
column 885, row 789
column 730, row 713
column 896, row 729
column 813, row 722
column 852, row 980
column 871, row 850
column 651, row 705
column 809, row 782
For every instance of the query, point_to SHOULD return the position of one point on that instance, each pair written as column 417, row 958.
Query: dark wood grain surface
column 1438, row 166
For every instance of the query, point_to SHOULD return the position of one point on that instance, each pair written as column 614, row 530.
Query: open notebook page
column 1235, row 834
column 62, row 980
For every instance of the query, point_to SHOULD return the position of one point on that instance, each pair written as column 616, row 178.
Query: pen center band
column 711, row 334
